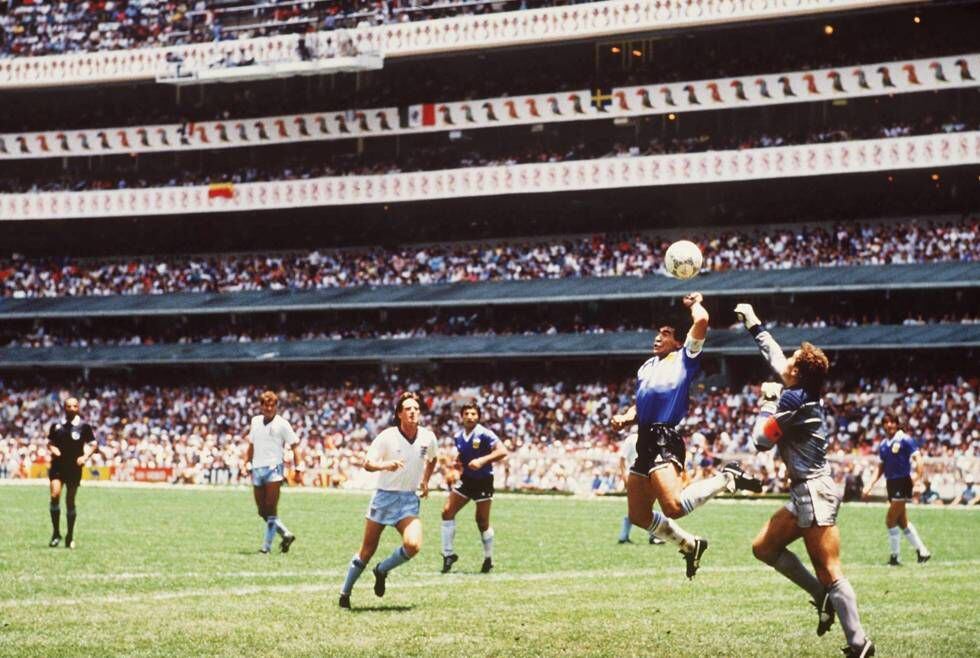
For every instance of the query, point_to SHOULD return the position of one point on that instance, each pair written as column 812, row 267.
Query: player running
column 662, row 395
column 405, row 456
column 792, row 420
column 478, row 448
column 71, row 443
column 268, row 436
column 898, row 453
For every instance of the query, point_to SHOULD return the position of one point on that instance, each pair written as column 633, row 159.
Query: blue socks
column 397, row 558
column 270, row 532
column 354, row 572
column 624, row 533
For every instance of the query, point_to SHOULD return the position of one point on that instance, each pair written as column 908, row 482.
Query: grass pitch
column 169, row 572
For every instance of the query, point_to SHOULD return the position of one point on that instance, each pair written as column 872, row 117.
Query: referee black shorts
column 476, row 489
column 899, row 489
column 658, row 446
column 68, row 474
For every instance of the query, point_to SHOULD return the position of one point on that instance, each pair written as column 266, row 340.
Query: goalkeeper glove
column 746, row 315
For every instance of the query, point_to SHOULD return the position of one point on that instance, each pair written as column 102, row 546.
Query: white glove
column 771, row 391
column 770, row 396
column 746, row 315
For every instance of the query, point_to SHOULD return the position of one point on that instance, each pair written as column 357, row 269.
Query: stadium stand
column 929, row 240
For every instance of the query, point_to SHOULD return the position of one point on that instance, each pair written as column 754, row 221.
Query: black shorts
column 68, row 474
column 899, row 488
column 476, row 489
column 658, row 446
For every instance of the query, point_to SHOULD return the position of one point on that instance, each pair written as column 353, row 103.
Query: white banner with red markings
column 579, row 21
column 930, row 74
column 940, row 150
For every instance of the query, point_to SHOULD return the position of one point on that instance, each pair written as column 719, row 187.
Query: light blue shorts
column 263, row 475
column 390, row 507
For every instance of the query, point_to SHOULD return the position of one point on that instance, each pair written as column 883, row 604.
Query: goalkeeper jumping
column 792, row 420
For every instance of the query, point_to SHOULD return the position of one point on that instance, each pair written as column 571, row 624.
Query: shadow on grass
column 384, row 608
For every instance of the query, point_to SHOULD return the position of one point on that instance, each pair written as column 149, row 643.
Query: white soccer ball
column 683, row 259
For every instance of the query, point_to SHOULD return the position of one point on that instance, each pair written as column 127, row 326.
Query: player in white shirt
column 404, row 456
column 626, row 459
column 268, row 437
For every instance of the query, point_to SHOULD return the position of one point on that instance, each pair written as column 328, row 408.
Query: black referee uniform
column 70, row 438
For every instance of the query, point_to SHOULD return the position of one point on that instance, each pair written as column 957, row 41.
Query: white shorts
column 814, row 502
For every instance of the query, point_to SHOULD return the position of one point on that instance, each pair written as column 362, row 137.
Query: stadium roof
column 475, row 348
column 740, row 282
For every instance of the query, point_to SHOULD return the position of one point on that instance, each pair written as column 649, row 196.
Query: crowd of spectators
column 563, row 147
column 558, row 433
column 473, row 323
column 599, row 255
column 36, row 27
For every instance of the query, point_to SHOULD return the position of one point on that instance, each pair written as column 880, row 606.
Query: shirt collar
column 75, row 422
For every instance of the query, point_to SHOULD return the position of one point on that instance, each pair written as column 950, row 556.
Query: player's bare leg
column 454, row 503
column 823, row 545
column 486, row 533
column 55, row 509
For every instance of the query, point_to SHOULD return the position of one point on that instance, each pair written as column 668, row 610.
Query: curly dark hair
column 813, row 366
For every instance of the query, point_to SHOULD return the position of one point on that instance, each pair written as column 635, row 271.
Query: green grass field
column 176, row 572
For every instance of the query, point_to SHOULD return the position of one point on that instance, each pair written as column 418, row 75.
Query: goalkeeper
column 791, row 419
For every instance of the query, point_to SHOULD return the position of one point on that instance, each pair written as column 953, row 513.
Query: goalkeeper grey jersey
column 803, row 444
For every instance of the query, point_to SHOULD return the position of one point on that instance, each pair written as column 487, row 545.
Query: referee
column 67, row 441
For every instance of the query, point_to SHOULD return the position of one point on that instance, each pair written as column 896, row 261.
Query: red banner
column 143, row 474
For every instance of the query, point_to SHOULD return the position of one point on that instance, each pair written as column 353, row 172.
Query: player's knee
column 483, row 524
column 762, row 552
column 672, row 509
column 412, row 546
column 448, row 514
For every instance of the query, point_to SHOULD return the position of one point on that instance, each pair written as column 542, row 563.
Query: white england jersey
column 270, row 441
column 392, row 445
column 628, row 449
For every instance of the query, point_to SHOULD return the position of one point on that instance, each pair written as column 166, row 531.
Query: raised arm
column 770, row 349
column 699, row 317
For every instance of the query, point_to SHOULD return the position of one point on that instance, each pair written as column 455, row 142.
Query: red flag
column 221, row 191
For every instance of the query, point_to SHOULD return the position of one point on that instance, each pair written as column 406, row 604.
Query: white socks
column 448, row 536
column 913, row 537
column 698, row 493
column 487, row 538
column 894, row 539
column 665, row 528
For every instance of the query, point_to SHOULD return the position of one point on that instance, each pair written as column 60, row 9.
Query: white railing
column 931, row 74
column 589, row 20
column 940, row 150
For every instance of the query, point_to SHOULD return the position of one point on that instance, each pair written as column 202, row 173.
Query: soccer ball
column 683, row 259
